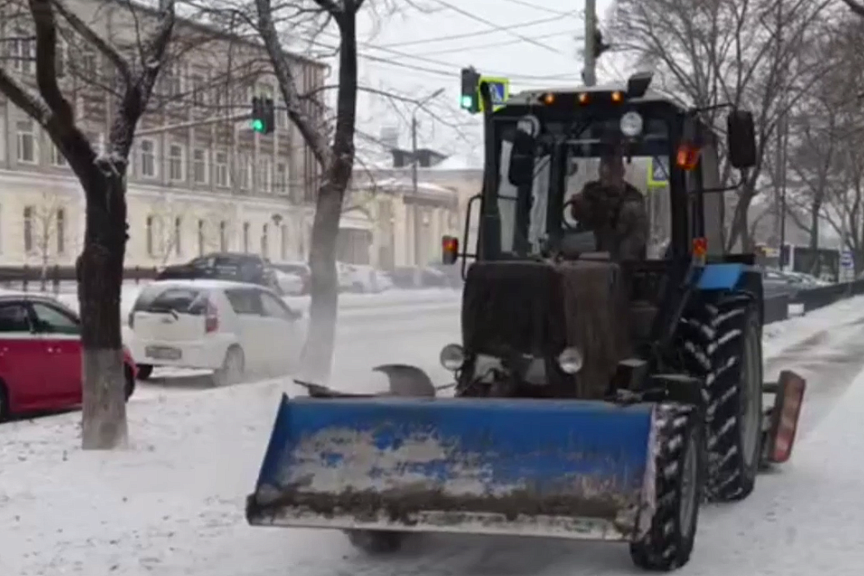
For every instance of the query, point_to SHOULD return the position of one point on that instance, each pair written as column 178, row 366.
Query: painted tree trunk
column 324, row 287
column 100, row 277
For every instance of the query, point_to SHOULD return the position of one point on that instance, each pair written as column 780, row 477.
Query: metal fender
column 724, row 276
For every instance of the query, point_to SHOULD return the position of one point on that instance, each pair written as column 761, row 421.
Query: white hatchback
column 230, row 327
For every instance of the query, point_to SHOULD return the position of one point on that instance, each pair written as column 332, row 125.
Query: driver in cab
column 614, row 210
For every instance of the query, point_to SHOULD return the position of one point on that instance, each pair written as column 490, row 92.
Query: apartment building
column 192, row 189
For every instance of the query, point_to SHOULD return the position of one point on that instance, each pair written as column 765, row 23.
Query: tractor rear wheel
column 678, row 490
column 727, row 346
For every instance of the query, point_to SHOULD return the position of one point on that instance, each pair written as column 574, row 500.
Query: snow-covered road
column 174, row 503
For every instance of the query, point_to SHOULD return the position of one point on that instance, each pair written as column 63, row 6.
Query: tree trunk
column 100, row 277
column 324, row 286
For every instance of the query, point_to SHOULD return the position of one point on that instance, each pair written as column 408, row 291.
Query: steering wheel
column 567, row 210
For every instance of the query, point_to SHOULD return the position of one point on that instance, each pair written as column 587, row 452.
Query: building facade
column 215, row 186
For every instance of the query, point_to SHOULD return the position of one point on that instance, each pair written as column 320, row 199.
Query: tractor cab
column 541, row 278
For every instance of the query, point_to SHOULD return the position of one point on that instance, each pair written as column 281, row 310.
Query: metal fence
column 52, row 278
column 777, row 307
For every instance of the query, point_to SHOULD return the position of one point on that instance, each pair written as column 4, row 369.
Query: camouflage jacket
column 619, row 221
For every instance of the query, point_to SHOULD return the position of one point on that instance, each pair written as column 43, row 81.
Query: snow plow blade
column 569, row 469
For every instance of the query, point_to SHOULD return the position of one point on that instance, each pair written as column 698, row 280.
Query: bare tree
column 744, row 52
column 334, row 151
column 44, row 228
column 102, row 177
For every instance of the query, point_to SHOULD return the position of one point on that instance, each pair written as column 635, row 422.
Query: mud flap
column 530, row 467
column 781, row 421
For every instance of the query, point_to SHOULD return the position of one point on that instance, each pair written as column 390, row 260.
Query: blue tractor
column 594, row 398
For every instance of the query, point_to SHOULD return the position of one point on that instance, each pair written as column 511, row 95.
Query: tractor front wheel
column 668, row 543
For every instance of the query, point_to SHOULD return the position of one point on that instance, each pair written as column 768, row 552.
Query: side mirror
column 521, row 169
column 449, row 249
column 741, row 139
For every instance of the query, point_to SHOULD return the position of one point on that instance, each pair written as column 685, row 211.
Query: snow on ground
column 173, row 503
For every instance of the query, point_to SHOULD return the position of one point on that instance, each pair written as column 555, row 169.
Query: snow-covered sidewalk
column 173, row 504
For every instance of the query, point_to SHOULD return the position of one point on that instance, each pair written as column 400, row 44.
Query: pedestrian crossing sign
column 499, row 91
column 658, row 172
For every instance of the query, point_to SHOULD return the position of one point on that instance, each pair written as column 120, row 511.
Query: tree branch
column 46, row 64
column 94, row 39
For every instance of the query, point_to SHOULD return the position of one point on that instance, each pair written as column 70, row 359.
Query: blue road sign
column 499, row 91
column 846, row 259
column 658, row 174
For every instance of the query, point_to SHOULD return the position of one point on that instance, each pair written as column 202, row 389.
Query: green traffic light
column 467, row 101
column 258, row 125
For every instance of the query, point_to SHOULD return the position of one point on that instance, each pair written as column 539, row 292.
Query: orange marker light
column 687, row 157
column 584, row 98
column 700, row 247
column 617, row 97
column 548, row 99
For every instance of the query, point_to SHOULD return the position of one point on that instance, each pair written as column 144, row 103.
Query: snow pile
column 782, row 335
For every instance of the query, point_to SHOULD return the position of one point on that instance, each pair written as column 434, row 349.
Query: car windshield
column 646, row 164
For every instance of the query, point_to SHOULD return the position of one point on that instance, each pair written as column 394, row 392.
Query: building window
column 246, row 237
column 200, row 237
column 23, row 51
column 199, row 89
column 223, row 236
column 178, row 235
column 150, row 251
column 57, row 157
column 265, row 241
column 281, row 178
column 97, row 142
column 26, row 142
column 172, row 80
column 148, row 158
column 281, row 117
column 28, row 229
column 199, row 166
column 222, row 169
column 175, row 162
column 284, row 238
column 265, row 175
column 61, row 53
column 244, row 166
column 61, row 230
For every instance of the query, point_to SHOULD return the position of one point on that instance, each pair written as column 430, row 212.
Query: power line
column 494, row 30
column 499, row 44
column 497, row 26
column 424, row 59
column 536, row 7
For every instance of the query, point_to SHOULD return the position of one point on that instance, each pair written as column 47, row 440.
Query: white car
column 230, row 327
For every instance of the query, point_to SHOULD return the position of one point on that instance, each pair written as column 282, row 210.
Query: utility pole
column 414, row 160
column 589, row 73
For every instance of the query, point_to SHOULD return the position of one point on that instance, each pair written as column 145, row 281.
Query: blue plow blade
column 567, row 469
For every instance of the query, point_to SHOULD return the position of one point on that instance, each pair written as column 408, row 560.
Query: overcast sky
column 416, row 52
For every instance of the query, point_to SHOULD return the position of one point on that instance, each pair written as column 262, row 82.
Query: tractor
column 594, row 397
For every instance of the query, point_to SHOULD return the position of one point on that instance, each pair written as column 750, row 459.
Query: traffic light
column 599, row 46
column 263, row 115
column 470, row 98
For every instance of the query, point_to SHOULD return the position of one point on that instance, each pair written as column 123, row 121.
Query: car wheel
column 130, row 381
column 232, row 368
column 144, row 371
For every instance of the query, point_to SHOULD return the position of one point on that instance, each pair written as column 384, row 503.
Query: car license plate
column 163, row 353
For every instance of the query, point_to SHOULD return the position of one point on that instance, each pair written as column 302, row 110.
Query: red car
column 40, row 355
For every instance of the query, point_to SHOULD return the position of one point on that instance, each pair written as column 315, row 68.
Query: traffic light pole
column 194, row 124
column 589, row 73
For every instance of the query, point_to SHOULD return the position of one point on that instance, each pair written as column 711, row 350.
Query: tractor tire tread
column 667, row 544
column 715, row 351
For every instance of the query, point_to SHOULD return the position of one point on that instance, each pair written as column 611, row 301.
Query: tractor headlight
column 452, row 357
column 631, row 124
column 570, row 360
